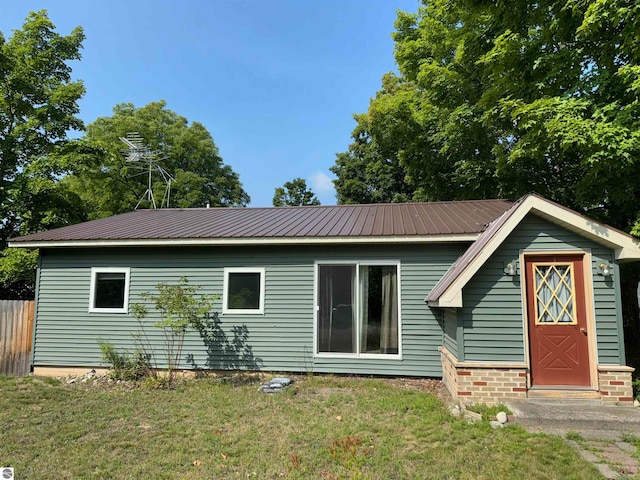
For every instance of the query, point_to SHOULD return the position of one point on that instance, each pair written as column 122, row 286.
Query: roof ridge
column 350, row 205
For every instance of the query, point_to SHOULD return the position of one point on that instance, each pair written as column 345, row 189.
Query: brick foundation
column 469, row 384
column 476, row 383
column 615, row 384
column 449, row 375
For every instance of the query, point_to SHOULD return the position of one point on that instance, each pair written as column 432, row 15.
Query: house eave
column 382, row 240
column 450, row 301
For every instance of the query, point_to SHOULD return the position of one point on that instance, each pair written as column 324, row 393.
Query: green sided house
column 502, row 300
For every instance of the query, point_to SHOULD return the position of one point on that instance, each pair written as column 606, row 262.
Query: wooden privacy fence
column 16, row 330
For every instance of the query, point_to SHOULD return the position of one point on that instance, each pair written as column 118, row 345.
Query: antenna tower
column 147, row 161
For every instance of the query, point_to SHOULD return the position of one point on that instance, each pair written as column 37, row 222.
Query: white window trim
column 360, row 356
column 92, row 291
column 225, row 296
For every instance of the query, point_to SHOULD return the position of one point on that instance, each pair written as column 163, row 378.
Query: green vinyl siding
column 492, row 313
column 279, row 340
column 450, row 327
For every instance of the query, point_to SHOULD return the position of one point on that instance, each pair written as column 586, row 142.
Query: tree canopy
column 497, row 99
column 38, row 105
column 108, row 184
column 294, row 193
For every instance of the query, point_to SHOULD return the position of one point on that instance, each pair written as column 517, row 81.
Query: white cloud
column 320, row 182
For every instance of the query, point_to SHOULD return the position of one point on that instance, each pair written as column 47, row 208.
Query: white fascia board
column 465, row 237
column 453, row 301
column 625, row 246
column 627, row 254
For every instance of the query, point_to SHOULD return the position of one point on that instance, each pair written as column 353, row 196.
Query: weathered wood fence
column 16, row 331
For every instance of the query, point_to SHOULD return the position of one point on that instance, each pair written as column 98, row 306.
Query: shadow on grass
column 225, row 352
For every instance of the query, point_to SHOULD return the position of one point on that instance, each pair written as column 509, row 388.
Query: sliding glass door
column 358, row 309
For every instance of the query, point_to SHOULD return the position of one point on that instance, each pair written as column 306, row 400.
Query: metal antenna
column 147, row 161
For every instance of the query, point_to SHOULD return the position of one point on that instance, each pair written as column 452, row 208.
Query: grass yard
column 324, row 428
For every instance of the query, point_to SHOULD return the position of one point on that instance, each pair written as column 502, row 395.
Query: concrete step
column 563, row 393
column 563, row 402
column 575, row 415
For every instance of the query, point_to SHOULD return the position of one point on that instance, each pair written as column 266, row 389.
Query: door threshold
column 563, row 392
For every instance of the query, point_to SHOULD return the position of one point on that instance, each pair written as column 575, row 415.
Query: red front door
column 556, row 311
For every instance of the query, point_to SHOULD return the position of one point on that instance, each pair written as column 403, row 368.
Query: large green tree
column 38, row 106
column 496, row 99
column 294, row 193
column 108, row 184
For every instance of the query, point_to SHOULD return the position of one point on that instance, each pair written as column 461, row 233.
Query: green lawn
column 325, row 427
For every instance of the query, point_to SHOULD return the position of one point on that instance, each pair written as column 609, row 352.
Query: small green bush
column 180, row 309
column 124, row 366
column 636, row 388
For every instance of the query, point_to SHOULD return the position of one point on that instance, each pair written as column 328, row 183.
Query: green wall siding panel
column 619, row 322
column 492, row 313
column 279, row 340
column 450, row 337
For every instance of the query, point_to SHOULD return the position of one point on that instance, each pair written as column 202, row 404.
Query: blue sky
column 275, row 82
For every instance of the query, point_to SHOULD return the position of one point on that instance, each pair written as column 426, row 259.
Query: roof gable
column 448, row 291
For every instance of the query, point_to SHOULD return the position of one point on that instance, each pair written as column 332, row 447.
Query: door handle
column 583, row 330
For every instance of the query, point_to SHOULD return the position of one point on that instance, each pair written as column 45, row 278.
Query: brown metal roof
column 375, row 220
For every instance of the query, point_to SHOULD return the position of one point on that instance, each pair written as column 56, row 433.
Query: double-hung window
column 243, row 290
column 358, row 309
column 109, row 290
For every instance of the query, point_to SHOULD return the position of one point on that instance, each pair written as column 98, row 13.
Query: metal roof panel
column 382, row 220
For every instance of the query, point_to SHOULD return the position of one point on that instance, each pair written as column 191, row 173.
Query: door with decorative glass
column 556, row 311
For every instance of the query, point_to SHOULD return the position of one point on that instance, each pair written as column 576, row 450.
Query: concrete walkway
column 602, row 434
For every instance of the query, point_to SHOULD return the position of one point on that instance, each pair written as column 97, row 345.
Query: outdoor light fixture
column 604, row 269
column 511, row 269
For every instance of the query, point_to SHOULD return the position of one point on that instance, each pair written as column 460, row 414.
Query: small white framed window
column 243, row 291
column 109, row 290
